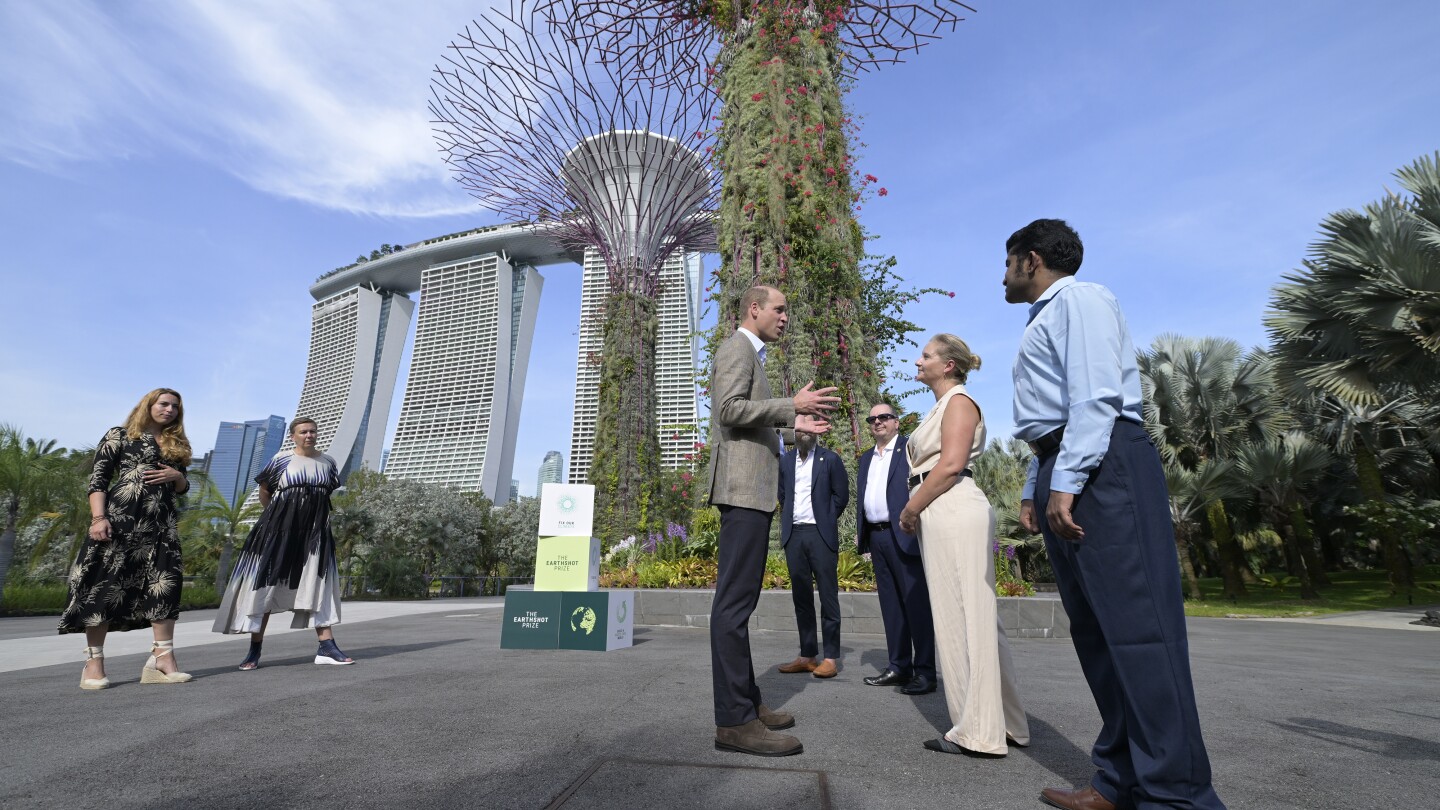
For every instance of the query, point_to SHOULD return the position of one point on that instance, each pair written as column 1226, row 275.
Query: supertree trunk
column 787, row 204
column 626, row 465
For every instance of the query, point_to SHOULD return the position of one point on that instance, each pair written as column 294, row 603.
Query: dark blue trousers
column 813, row 566
column 904, row 606
column 744, row 542
column 1121, row 588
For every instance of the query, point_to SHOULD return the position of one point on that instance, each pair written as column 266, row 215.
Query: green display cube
column 532, row 620
column 567, row 564
column 596, row 620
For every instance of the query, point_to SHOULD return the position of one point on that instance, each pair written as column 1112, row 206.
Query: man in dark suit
column 747, row 427
column 814, row 489
column 899, row 573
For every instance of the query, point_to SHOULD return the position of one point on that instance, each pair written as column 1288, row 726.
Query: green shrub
column 50, row 598
column 35, row 598
column 198, row 596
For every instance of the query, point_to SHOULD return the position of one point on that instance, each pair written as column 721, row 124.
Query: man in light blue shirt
column 1096, row 490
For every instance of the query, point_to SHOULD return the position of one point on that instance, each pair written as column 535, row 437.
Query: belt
column 882, row 526
column 918, row 478
column 1049, row 443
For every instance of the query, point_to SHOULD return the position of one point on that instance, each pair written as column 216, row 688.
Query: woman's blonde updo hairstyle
column 955, row 350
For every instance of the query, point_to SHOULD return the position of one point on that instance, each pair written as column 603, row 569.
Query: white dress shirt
column 804, row 508
column 877, row 507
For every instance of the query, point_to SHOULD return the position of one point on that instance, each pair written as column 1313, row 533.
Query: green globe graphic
column 583, row 618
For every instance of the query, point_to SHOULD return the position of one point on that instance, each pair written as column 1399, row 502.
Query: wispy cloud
column 321, row 102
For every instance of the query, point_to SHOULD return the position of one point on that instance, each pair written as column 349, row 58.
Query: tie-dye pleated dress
column 288, row 562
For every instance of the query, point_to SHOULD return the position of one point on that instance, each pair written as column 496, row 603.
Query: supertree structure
column 540, row 128
column 791, row 191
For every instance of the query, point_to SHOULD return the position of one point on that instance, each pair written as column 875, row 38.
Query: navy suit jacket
column 897, row 494
column 829, row 493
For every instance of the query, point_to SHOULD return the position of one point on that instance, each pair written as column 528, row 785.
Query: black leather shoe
column 887, row 678
column 921, row 685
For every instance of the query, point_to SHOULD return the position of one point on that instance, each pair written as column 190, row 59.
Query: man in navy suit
column 814, row 489
column 899, row 572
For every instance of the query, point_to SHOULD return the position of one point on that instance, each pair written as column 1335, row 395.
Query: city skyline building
column 461, row 412
column 677, row 357
column 242, row 449
column 552, row 471
column 479, row 293
column 357, row 337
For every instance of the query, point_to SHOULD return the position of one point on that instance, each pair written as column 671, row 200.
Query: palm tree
column 1191, row 494
column 1204, row 401
column 1360, row 327
column 68, row 511
column 1365, row 311
column 212, row 511
column 27, row 482
column 1280, row 472
column 1388, row 447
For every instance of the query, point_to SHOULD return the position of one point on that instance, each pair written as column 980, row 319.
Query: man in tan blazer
column 747, row 427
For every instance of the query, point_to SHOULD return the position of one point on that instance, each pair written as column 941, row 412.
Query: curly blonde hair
column 174, row 445
column 955, row 350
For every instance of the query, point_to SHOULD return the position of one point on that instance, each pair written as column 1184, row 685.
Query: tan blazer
column 744, row 451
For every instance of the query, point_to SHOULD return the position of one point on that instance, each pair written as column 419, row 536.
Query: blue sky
column 173, row 177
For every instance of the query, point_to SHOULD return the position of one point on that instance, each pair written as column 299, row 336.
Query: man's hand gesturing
column 817, row 402
column 815, row 425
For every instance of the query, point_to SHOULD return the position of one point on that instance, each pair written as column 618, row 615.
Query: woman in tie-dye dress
column 288, row 562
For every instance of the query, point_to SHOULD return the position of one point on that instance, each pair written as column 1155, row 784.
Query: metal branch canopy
column 540, row 127
column 674, row 41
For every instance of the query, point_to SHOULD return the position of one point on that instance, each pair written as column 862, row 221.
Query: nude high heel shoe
column 152, row 674
column 94, row 683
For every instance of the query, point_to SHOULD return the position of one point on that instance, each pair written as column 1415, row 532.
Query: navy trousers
column 904, row 606
column 813, row 566
column 1121, row 587
column 744, row 542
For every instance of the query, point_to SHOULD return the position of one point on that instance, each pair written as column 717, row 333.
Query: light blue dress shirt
column 1077, row 370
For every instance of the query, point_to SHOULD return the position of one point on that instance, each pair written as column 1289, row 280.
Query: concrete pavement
column 435, row 714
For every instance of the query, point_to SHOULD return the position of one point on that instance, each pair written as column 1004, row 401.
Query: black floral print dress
column 134, row 578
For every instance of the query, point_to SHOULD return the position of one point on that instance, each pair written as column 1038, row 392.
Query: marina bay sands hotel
column 479, row 295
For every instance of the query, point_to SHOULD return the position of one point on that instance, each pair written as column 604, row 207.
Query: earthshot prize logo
column 566, row 504
column 583, row 619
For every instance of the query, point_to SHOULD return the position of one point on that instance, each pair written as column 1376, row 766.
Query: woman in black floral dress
column 127, row 574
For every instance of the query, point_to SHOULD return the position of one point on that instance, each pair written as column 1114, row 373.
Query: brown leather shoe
column 754, row 738
column 773, row 720
column 801, row 664
column 826, row 669
column 1086, row 798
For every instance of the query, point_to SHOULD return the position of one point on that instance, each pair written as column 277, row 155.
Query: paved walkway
column 1297, row 715
column 1391, row 619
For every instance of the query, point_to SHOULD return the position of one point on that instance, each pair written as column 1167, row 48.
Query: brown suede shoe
column 754, row 738
column 773, row 720
column 1086, row 798
column 801, row 664
column 826, row 669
